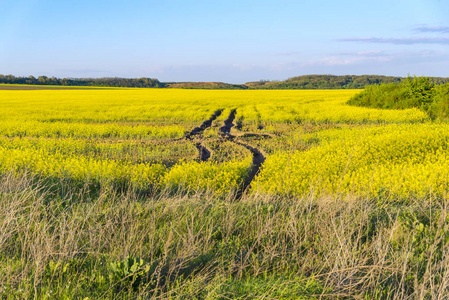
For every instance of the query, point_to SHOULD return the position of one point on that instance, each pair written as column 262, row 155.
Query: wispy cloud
column 352, row 58
column 371, row 57
column 346, row 60
column 335, row 61
column 288, row 53
column 84, row 71
column 368, row 53
column 435, row 29
column 400, row 40
column 370, row 61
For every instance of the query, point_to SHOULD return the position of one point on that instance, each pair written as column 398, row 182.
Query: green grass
column 59, row 241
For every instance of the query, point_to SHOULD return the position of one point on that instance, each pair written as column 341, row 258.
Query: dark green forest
column 332, row 82
column 298, row 82
column 325, row 82
column 102, row 82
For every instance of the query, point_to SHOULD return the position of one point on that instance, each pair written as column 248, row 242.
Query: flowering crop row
column 401, row 160
column 221, row 178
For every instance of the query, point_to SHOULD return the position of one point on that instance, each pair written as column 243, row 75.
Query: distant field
column 219, row 194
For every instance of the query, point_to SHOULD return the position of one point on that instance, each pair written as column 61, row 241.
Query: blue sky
column 231, row 41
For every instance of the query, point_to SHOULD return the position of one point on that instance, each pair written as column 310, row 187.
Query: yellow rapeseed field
column 405, row 160
column 135, row 137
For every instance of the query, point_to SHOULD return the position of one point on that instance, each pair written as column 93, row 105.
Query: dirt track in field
column 228, row 134
column 196, row 136
column 206, row 124
column 228, row 124
column 204, row 152
column 258, row 156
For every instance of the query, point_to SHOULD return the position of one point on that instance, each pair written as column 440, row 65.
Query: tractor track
column 205, row 153
column 225, row 130
column 258, row 156
column 258, row 160
column 206, row 124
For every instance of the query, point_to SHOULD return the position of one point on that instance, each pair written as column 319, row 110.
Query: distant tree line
column 332, row 82
column 103, row 82
column 299, row 82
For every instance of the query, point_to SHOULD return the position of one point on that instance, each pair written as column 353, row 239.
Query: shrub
column 413, row 92
column 440, row 105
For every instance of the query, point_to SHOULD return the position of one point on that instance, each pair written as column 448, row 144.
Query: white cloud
column 288, row 53
column 400, row 40
column 435, row 29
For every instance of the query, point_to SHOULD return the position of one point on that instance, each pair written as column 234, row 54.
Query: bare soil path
column 258, row 156
column 204, row 152
column 228, row 124
column 206, row 124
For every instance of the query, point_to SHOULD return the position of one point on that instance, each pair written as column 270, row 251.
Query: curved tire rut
column 204, row 152
column 258, row 156
column 228, row 124
column 206, row 124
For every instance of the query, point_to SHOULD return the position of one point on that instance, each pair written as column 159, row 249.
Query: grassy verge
column 64, row 243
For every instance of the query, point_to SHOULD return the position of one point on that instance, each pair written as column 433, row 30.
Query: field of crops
column 219, row 194
column 153, row 139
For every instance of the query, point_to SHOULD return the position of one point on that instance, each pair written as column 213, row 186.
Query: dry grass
column 61, row 242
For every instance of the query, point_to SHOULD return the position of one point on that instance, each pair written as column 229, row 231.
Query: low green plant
column 129, row 272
